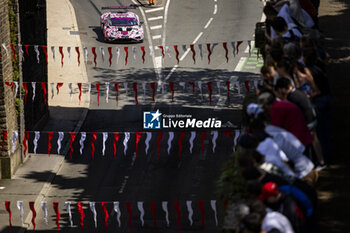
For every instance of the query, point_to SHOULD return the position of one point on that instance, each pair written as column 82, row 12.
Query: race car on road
column 121, row 26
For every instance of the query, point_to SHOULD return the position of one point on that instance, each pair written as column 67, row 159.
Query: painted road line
column 240, row 63
column 208, row 23
column 252, row 46
column 155, row 18
column 158, row 62
column 156, row 27
column 188, row 50
column 154, row 10
column 197, row 38
column 215, row 9
column 156, row 37
column 165, row 21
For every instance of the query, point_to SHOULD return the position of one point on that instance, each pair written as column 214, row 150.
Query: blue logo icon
column 152, row 120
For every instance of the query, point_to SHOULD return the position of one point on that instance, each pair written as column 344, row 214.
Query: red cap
column 269, row 189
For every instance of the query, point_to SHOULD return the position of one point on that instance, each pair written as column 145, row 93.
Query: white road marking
column 215, row 9
column 188, row 50
column 208, row 23
column 156, row 37
column 155, row 18
column 2, row 187
column 197, row 38
column 240, row 64
column 154, row 10
column 165, row 21
column 158, row 62
column 156, row 27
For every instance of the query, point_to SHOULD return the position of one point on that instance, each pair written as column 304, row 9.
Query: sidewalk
column 64, row 116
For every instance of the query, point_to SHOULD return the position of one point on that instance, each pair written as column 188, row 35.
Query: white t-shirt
column 292, row 148
column 276, row 220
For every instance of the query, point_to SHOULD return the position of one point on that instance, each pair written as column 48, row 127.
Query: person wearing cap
column 285, row 204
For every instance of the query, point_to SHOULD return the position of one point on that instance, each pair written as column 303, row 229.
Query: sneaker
column 320, row 167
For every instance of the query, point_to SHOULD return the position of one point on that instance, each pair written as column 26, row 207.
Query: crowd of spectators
column 288, row 138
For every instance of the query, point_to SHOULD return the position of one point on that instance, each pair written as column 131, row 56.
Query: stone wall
column 8, row 117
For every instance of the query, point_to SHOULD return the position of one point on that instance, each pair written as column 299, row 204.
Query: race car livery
column 122, row 26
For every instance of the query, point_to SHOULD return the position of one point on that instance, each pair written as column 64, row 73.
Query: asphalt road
column 131, row 178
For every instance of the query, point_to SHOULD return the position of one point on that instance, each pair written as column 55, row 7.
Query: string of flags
column 114, row 53
column 146, row 86
column 143, row 209
column 115, row 138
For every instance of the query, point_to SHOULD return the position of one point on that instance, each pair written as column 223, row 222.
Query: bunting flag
column 5, row 48
column 53, row 53
column 134, row 52
column 105, row 211
column 60, row 49
column 43, row 87
column 26, row 46
column 59, row 140
column 33, row 87
column 179, row 142
column 81, row 141
column 153, row 209
column 183, row 85
column 167, row 50
column 134, row 86
column 176, row 54
column 234, row 48
column 128, row 208
column 89, row 89
column 115, row 141
column 165, row 209
column 49, row 137
column 78, row 54
column 171, row 137
column 159, row 139
column 153, row 87
column 213, row 206
column 238, row 87
column 204, row 133
column 14, row 140
column 58, row 215
column 193, row 136
column 218, row 85
column 249, row 47
column 93, row 49
column 200, row 51
column 25, row 92
column 44, row 208
column 13, row 53
column 52, row 85
column 148, row 139
column 184, row 48
column 117, row 49
column 21, row 211
column 31, row 207
column 238, row 44
column 58, row 86
column 228, row 92
column 104, row 139
column 4, row 138
column 70, row 86
column 98, row 85
column 162, row 48
column 25, row 145
column 72, row 138
column 102, row 51
column 171, row 85
column 36, row 139
column 94, row 213
column 210, row 91
column 246, row 84
column 138, row 138
column 82, row 215
column 110, row 55
column 235, row 139
column 86, row 53
column 10, row 84
column 67, row 205
column 126, row 49
column 228, row 133
column 117, row 210
column 193, row 53
column 200, row 89
column 215, row 137
column 93, row 139
column 178, row 213
column 125, row 142
column 8, row 209
column 69, row 55
column 150, row 50
column 142, row 212
column 107, row 91
column 143, row 54
column 256, row 84
column 209, row 53
column 201, row 208
column 20, row 48
column 36, row 49
column 79, row 87
column 116, row 87
column 226, row 51
column 190, row 211
column 193, row 87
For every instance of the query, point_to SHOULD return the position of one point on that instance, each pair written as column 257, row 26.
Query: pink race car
column 121, row 26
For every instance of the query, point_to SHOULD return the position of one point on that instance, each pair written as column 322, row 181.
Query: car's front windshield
column 123, row 21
